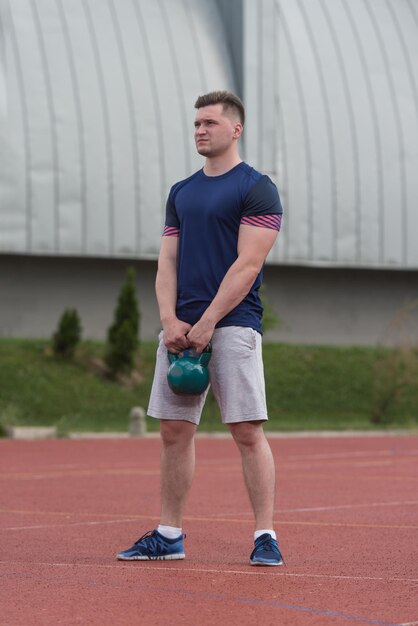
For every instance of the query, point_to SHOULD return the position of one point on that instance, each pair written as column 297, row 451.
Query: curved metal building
column 96, row 124
column 340, row 81
column 98, row 119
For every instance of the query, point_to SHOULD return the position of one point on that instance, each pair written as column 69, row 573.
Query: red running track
column 347, row 520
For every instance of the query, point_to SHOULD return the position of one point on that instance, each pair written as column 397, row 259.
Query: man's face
column 215, row 131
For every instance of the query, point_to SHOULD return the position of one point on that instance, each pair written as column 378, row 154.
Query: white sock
column 170, row 532
column 258, row 533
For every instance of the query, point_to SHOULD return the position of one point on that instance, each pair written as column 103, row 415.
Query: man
column 221, row 223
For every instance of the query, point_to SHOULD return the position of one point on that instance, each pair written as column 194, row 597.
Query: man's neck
column 217, row 166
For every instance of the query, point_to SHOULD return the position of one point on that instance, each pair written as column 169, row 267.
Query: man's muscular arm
column 166, row 290
column 254, row 244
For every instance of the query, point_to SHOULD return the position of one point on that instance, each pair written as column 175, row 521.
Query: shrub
column 122, row 337
column 396, row 369
column 67, row 335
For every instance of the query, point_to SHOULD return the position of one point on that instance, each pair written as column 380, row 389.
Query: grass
column 308, row 388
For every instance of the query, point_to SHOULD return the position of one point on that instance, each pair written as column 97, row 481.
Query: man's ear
column 238, row 128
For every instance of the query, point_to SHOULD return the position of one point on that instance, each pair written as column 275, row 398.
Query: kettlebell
column 188, row 374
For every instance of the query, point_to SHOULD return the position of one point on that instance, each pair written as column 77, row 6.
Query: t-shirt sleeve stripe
column 263, row 221
column 171, row 231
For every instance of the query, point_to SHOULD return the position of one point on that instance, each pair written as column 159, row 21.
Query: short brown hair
column 228, row 100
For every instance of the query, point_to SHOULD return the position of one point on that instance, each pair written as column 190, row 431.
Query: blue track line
column 76, row 580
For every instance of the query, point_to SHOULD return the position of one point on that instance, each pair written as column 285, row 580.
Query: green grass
column 308, row 388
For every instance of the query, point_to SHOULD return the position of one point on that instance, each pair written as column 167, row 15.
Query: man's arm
column 254, row 244
column 166, row 290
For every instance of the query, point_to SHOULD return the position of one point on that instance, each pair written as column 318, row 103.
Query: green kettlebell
column 188, row 374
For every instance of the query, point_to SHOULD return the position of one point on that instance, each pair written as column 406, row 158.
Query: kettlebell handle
column 204, row 357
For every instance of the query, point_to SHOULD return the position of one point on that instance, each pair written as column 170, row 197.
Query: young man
column 221, row 223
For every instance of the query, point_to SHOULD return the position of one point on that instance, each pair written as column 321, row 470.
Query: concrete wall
column 34, row 291
column 342, row 306
column 318, row 306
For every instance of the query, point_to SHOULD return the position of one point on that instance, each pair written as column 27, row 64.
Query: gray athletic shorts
column 236, row 376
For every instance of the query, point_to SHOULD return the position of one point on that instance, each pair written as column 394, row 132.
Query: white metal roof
column 96, row 121
column 343, row 92
column 100, row 98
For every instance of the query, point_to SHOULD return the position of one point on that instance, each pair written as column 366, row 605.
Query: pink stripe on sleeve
column 263, row 221
column 171, row 231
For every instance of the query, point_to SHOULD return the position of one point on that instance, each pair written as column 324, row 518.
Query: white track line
column 79, row 473
column 347, row 506
column 180, row 569
column 212, row 519
column 350, row 455
column 64, row 525
column 325, row 508
column 326, row 464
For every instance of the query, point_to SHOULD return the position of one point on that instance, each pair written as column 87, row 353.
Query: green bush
column 395, row 372
column 122, row 337
column 67, row 335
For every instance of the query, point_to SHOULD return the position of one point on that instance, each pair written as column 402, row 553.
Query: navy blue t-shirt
column 206, row 212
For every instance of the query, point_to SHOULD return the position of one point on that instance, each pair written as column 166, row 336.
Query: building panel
column 345, row 127
column 99, row 119
column 96, row 121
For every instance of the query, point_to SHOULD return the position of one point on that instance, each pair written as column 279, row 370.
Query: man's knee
column 176, row 432
column 247, row 434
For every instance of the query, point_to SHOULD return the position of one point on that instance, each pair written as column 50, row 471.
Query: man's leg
column 258, row 468
column 177, row 469
column 259, row 474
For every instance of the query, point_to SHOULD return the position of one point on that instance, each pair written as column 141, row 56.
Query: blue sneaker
column 154, row 547
column 266, row 551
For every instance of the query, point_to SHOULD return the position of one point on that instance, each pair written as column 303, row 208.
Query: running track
column 347, row 519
